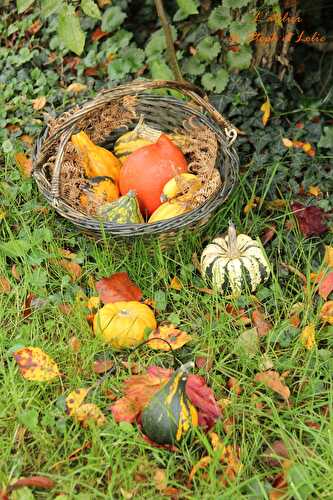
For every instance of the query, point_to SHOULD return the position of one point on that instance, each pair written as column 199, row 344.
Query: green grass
column 37, row 437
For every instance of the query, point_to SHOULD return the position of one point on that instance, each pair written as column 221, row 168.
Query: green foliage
column 23, row 5
column 215, row 82
column 90, row 8
column 69, row 30
column 240, row 59
column 112, row 18
column 219, row 18
column 326, row 139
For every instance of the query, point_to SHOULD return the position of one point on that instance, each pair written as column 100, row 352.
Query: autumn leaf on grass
column 71, row 267
column 83, row 412
column 275, row 453
column 93, row 303
column 262, row 325
column 24, row 163
column 326, row 286
column 314, row 191
column 326, row 313
column 119, row 287
column 76, row 88
column 5, row 286
column 328, row 257
column 75, row 399
column 266, row 109
column 39, row 103
column 175, row 284
column 308, row 336
column 253, row 203
column 310, row 219
column 36, row 365
column 102, row 365
column 274, row 381
column 268, row 234
column 202, row 397
column 176, row 338
column 41, row 482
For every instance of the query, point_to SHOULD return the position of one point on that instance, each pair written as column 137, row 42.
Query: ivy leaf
column 241, row 31
column 326, row 139
column 193, row 66
column 188, row 7
column 117, row 69
column 241, row 59
column 90, row 9
column 112, row 18
column 216, row 82
column 236, row 4
column 22, row 5
column 49, row 7
column 219, row 18
column 208, row 48
column 70, row 32
column 160, row 70
column 157, row 43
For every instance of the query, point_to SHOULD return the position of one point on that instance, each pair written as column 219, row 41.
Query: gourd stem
column 232, row 242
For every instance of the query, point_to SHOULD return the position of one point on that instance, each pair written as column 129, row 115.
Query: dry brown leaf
column 308, row 336
column 76, row 88
column 160, row 479
column 262, row 325
column 66, row 309
column 326, row 313
column 27, row 139
column 255, row 200
column 102, row 365
column 71, row 267
column 24, row 163
column 5, row 286
column 15, row 272
column 175, row 284
column 39, row 103
column 274, row 381
column 74, row 344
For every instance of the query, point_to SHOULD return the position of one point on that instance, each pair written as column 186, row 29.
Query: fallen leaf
column 255, row 200
column 295, row 320
column 262, row 325
column 274, row 381
column 176, row 284
column 248, row 342
column 310, row 219
column 91, row 71
column 71, row 267
column 328, row 257
column 66, row 309
column 35, row 27
column 202, row 397
column 233, row 385
column 39, row 103
column 5, row 286
column 326, row 286
column 160, row 479
column 118, row 287
column 74, row 344
column 299, row 125
column 266, row 109
column 76, row 88
column 125, row 410
column 276, row 204
column 274, row 453
column 89, row 412
column 169, row 333
column 202, row 464
column 326, row 313
column 102, row 365
column 132, row 367
column 74, row 400
column 35, row 364
column 307, row 336
column 196, row 263
column 97, row 34
column 204, row 362
column 238, row 313
column 27, row 309
column 314, row 190
column 268, row 234
column 41, row 482
column 24, row 163
column 287, row 142
column 27, row 139
column 15, row 272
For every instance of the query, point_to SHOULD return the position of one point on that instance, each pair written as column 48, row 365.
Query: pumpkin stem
column 232, row 241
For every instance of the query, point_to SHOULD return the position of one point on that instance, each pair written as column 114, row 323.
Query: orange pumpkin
column 123, row 324
column 148, row 169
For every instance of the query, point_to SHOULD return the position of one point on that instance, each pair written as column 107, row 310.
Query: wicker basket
column 162, row 112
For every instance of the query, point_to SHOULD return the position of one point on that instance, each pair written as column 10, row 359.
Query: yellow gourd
column 170, row 209
column 179, row 184
column 124, row 324
column 97, row 161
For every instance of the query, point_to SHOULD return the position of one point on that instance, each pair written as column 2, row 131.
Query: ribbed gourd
column 142, row 135
column 125, row 210
column 170, row 414
column 97, row 161
column 234, row 263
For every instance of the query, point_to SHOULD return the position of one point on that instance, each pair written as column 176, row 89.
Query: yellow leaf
column 251, row 204
column 35, row 364
column 328, row 258
column 308, row 336
column 25, row 164
column 176, row 284
column 75, row 399
column 326, row 313
column 176, row 338
column 76, row 88
column 287, row 142
column 39, row 103
column 89, row 411
column 93, row 303
column 314, row 190
column 266, row 109
column 5, row 286
column 71, row 267
column 276, row 204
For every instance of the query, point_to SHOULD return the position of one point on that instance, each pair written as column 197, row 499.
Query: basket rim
column 85, row 221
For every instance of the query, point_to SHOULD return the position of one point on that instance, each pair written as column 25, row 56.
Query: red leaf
column 98, row 34
column 310, row 219
column 275, row 452
column 125, row 410
column 32, row 481
column 268, row 234
column 118, row 288
column 91, row 71
column 27, row 305
column 203, row 399
column 262, row 326
column 326, row 286
column 102, row 365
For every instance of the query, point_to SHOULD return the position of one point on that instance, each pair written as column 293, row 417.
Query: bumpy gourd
column 170, row 413
column 123, row 211
column 99, row 190
column 124, row 324
column 234, row 263
column 97, row 161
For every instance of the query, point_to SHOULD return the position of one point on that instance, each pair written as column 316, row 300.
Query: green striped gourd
column 234, row 263
column 170, row 413
column 125, row 210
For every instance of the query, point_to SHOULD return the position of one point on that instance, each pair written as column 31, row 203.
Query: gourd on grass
column 170, row 413
column 234, row 263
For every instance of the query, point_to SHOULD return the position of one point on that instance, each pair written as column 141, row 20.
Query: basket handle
column 195, row 93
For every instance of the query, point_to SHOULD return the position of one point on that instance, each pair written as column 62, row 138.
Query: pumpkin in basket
column 233, row 263
column 124, row 324
column 125, row 210
column 170, row 413
column 148, row 169
column 97, row 161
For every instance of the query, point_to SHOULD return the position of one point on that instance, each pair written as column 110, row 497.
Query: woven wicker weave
column 162, row 112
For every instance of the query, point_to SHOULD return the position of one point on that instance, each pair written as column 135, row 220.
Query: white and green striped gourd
column 234, row 263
